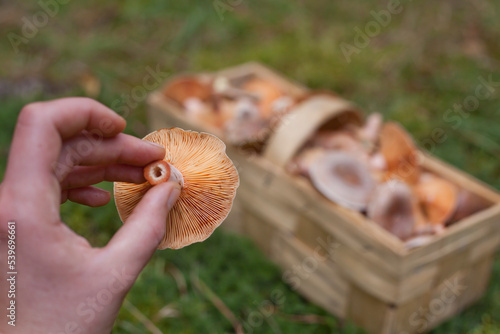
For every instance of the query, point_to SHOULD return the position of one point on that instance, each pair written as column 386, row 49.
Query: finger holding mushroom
column 197, row 161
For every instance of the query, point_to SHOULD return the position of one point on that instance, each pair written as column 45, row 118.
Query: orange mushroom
column 438, row 198
column 400, row 152
column 267, row 93
column 222, row 87
column 208, row 178
column 183, row 88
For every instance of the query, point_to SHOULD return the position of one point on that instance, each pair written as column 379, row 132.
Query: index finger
column 37, row 143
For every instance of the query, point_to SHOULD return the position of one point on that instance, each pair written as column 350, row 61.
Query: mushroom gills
column 342, row 178
column 199, row 163
column 391, row 207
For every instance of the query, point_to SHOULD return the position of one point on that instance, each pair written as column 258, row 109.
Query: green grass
column 427, row 59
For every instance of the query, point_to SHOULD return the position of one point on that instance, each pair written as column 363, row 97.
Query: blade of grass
column 217, row 302
column 141, row 317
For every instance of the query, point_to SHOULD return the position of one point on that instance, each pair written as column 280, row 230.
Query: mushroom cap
column 246, row 109
column 342, row 178
column 210, row 183
column 468, row 203
column 438, row 197
column 370, row 131
column 183, row 88
column 267, row 93
column 247, row 125
column 241, row 132
column 418, row 241
column 200, row 112
column 391, row 207
column 400, row 153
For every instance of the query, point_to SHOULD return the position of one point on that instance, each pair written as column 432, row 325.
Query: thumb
column 136, row 241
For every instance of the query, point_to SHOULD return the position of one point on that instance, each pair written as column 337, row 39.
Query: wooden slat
column 417, row 284
column 488, row 246
column 310, row 274
column 465, row 233
column 281, row 217
column 361, row 272
column 444, row 300
column 477, row 278
column 260, row 231
column 367, row 311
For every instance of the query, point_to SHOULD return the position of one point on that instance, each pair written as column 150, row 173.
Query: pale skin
column 63, row 284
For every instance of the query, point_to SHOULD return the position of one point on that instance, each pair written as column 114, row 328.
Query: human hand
column 63, row 285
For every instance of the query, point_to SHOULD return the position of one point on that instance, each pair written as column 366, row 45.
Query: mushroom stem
column 161, row 171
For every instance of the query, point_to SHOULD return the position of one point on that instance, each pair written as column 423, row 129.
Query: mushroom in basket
column 342, row 178
column 400, row 153
column 394, row 208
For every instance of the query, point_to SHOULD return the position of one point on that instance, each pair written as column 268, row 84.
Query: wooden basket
column 336, row 257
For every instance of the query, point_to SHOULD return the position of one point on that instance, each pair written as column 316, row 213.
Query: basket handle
column 302, row 121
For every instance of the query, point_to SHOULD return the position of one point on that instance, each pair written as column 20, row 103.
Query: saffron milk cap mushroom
column 468, row 203
column 342, row 178
column 183, row 88
column 209, row 179
column 369, row 133
column 267, row 93
column 438, row 197
column 391, row 207
column 400, row 153
column 247, row 124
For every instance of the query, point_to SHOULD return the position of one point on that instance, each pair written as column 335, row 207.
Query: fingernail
column 155, row 144
column 174, row 195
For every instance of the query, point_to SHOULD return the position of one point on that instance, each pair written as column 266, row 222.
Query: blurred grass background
column 427, row 59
